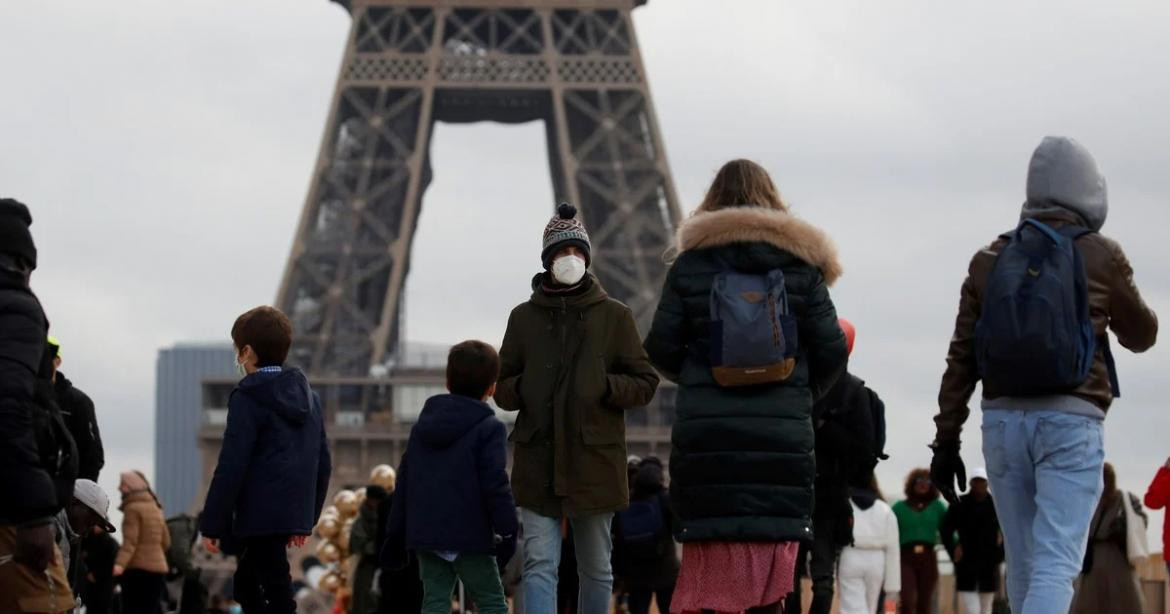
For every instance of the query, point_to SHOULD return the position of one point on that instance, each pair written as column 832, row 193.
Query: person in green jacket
column 919, row 516
column 571, row 364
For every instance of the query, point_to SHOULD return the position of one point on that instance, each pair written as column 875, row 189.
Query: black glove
column 946, row 467
column 34, row 546
column 505, row 550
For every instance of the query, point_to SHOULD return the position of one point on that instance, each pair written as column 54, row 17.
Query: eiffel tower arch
column 573, row 64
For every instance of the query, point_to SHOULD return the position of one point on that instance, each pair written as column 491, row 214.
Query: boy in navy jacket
column 273, row 470
column 453, row 504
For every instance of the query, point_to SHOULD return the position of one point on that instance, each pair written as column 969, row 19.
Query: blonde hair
column 742, row 183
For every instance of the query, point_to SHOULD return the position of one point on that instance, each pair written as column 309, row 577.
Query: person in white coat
column 873, row 563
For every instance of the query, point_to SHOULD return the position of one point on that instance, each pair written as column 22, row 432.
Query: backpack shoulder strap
column 1074, row 232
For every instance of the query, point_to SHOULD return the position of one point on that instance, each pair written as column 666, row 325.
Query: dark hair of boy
column 472, row 368
column 268, row 331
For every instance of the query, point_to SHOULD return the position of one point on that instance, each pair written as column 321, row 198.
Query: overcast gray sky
column 165, row 149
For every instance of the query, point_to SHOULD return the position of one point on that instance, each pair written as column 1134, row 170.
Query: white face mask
column 568, row 270
column 240, row 370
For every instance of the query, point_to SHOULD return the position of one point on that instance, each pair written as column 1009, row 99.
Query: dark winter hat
column 564, row 229
column 15, row 238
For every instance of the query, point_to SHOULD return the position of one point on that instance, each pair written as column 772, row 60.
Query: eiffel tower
column 574, row 64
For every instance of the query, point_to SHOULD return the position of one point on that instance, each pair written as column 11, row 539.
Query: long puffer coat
column 742, row 463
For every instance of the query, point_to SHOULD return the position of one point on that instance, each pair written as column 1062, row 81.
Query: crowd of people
column 774, row 445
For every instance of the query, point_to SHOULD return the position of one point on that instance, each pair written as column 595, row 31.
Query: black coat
column 660, row 574
column 78, row 413
column 976, row 526
column 742, row 462
column 273, row 470
column 37, row 455
column 453, row 492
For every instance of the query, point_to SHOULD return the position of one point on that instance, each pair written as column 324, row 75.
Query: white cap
column 89, row 494
column 979, row 473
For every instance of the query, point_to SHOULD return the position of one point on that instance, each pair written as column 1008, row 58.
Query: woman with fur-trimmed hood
column 742, row 462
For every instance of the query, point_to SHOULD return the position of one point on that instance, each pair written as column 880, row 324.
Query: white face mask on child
column 568, row 270
column 240, row 370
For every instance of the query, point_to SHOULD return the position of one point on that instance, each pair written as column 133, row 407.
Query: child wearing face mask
column 571, row 364
column 273, row 470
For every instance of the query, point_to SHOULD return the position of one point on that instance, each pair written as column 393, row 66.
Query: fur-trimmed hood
column 760, row 225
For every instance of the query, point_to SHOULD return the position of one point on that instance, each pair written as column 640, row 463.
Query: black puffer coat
column 37, row 456
column 742, row 464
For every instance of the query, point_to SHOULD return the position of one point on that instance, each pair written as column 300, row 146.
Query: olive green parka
column 572, row 366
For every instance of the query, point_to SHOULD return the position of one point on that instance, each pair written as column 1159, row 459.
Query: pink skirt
column 733, row 576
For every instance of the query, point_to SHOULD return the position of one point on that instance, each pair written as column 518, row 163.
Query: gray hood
column 1063, row 176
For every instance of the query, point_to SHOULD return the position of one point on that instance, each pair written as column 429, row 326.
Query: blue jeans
column 542, row 557
column 1045, row 474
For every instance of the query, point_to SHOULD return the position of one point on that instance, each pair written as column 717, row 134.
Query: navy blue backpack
column 753, row 333
column 642, row 526
column 1034, row 335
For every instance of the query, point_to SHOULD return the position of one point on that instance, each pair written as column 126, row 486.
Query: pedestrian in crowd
column 77, row 411
column 1047, row 376
column 363, row 543
column 633, row 462
column 99, row 551
column 873, row 563
column 1158, row 497
column 745, row 395
column 978, row 552
column 37, row 455
column 273, row 471
column 849, row 428
column 1117, row 543
column 920, row 515
column 141, row 565
column 89, row 508
column 571, row 364
column 462, row 527
column 399, row 590
column 644, row 548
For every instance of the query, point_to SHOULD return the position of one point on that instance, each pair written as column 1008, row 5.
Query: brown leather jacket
column 145, row 537
column 1114, row 303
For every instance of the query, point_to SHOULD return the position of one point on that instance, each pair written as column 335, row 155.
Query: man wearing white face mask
column 571, row 364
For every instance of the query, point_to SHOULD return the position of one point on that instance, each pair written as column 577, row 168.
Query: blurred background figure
column 99, row 550
column 141, row 564
column 1158, row 497
column 645, row 555
column 81, row 420
column 89, row 509
column 363, row 542
column 979, row 550
column 919, row 516
column 1117, row 541
column 873, row 563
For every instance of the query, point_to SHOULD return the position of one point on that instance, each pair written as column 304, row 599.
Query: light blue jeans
column 542, row 558
column 1045, row 476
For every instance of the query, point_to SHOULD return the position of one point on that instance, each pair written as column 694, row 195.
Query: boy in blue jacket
column 453, row 504
column 273, row 471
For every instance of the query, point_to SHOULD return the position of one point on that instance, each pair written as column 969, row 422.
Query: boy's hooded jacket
column 273, row 470
column 453, row 493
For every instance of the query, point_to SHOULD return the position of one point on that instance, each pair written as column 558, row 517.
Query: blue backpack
column 753, row 333
column 1034, row 335
column 642, row 527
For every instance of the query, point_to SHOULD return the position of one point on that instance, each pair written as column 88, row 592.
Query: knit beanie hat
column 564, row 229
column 15, row 238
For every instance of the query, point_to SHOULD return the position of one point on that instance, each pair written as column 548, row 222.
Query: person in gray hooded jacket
column 1044, row 452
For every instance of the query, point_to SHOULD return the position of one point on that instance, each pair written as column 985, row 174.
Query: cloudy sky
column 165, row 149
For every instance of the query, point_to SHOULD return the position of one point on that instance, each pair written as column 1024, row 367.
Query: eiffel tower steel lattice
column 575, row 64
